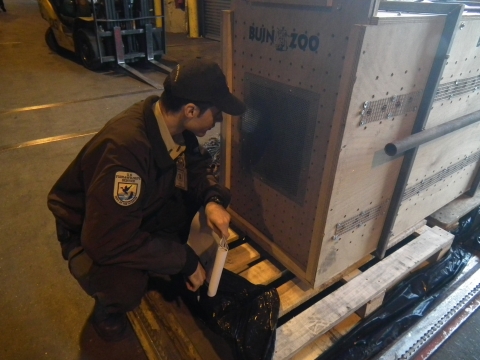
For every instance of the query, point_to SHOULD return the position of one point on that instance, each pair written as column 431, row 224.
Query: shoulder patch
column 126, row 188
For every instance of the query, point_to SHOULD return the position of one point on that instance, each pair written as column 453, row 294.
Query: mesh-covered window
column 277, row 134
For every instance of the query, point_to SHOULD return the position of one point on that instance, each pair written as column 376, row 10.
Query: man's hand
column 218, row 219
column 196, row 279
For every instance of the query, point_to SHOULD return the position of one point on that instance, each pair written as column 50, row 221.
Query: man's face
column 199, row 125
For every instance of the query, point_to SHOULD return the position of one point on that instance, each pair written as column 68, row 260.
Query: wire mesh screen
column 276, row 135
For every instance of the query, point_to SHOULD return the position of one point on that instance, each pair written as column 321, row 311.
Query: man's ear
column 190, row 110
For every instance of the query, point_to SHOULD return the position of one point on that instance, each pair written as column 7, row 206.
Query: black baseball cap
column 203, row 80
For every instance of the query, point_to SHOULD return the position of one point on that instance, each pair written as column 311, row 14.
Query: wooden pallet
column 166, row 334
column 448, row 216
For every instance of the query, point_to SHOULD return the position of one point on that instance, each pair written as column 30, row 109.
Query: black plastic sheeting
column 410, row 300
column 244, row 314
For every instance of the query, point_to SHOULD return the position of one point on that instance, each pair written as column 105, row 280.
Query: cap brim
column 231, row 105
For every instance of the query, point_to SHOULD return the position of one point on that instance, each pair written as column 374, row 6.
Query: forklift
column 108, row 31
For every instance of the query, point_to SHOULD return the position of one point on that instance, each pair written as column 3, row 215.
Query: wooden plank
column 351, row 275
column 447, row 217
column 404, row 234
column 295, row 292
column 239, row 258
column 159, row 332
column 328, row 312
column 226, row 126
column 371, row 305
column 232, row 236
column 262, row 273
column 144, row 334
column 324, row 342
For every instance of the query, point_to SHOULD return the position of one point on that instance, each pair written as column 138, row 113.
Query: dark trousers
column 115, row 288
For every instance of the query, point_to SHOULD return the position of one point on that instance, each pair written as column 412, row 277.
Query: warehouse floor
column 50, row 106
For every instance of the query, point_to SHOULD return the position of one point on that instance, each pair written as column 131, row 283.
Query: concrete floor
column 45, row 95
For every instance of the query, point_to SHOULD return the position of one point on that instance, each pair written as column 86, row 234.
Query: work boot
column 110, row 326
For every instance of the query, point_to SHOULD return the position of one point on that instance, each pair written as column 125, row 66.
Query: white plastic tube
column 218, row 265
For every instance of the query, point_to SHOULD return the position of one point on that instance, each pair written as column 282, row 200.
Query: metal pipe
column 414, row 140
column 454, row 13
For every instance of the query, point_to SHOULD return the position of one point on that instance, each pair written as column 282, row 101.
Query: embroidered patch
column 126, row 189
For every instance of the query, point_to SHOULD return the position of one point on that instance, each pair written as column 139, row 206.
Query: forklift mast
column 129, row 30
column 108, row 31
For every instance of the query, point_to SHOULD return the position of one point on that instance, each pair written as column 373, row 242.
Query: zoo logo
column 283, row 40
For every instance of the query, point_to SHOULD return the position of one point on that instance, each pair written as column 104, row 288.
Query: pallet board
column 167, row 331
column 448, row 216
column 328, row 312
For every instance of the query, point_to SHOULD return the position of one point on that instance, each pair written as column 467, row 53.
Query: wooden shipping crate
column 327, row 87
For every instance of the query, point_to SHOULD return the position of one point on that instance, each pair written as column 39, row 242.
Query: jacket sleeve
column 202, row 184
column 112, row 232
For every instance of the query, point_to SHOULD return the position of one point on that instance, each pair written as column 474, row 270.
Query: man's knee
column 114, row 286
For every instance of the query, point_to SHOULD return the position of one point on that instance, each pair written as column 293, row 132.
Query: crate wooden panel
column 458, row 93
column 444, row 168
column 303, row 53
column 384, row 75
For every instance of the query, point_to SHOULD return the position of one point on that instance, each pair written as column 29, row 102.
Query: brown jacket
column 150, row 233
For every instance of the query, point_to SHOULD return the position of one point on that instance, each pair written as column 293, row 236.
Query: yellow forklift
column 108, row 31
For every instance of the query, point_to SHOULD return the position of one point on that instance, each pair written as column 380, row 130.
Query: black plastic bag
column 407, row 303
column 468, row 231
column 244, row 314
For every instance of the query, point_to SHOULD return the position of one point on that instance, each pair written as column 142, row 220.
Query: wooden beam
column 262, row 273
column 239, row 258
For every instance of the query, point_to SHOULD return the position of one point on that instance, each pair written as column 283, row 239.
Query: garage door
column 212, row 17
